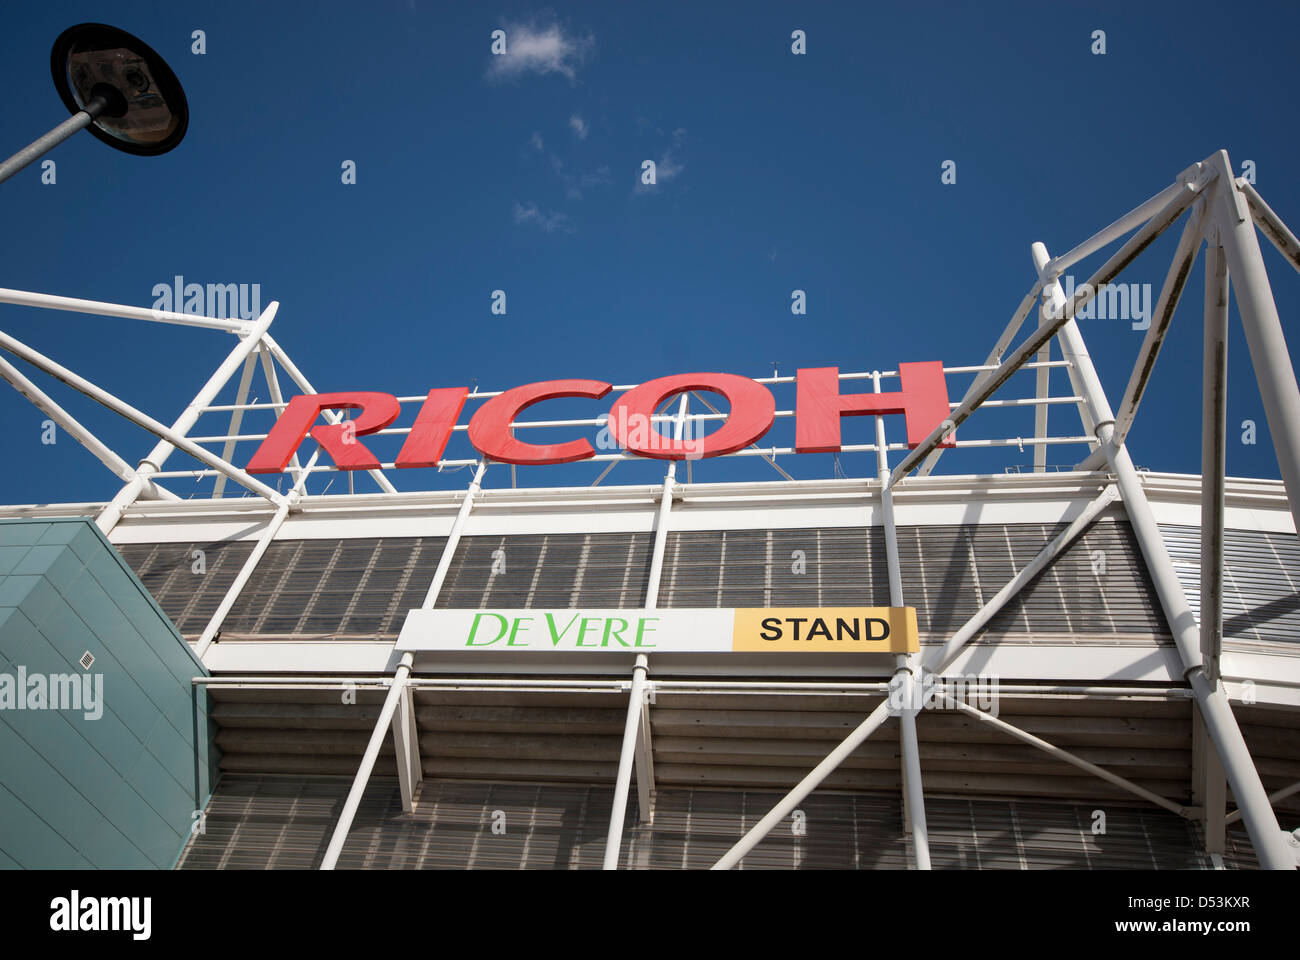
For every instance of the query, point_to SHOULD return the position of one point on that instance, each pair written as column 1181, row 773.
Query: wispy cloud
column 547, row 221
column 575, row 184
column 579, row 126
column 537, row 142
column 539, row 49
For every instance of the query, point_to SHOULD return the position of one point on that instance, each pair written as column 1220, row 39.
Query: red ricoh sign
column 819, row 405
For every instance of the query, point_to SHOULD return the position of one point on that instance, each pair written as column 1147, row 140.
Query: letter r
column 378, row 410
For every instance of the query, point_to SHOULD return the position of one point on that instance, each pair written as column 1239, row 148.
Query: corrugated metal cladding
column 739, row 741
column 363, row 587
column 1261, row 581
column 285, row 823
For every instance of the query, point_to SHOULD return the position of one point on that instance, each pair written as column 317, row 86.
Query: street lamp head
column 135, row 100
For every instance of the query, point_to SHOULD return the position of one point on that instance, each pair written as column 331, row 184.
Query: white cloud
column 537, row 143
column 579, row 126
column 542, row 50
column 549, row 222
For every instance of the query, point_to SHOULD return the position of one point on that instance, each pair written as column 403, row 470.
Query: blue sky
column 777, row 172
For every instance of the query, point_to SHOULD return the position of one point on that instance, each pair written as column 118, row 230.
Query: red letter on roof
column 378, row 410
column 428, row 437
column 819, row 405
column 752, row 412
column 489, row 429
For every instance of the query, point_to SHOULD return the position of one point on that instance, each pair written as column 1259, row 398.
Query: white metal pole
column 994, row 358
column 804, row 787
column 906, row 666
column 1214, row 427
column 1222, row 727
column 1180, row 267
column 69, row 423
column 236, row 418
column 171, row 438
column 622, row 783
column 151, row 464
column 984, row 388
column 1013, row 586
column 635, row 723
column 395, row 692
column 1268, row 350
column 1130, row 221
column 1278, row 233
column 26, row 298
column 453, row 537
column 246, row 571
column 1058, row 753
column 636, row 696
column 368, row 759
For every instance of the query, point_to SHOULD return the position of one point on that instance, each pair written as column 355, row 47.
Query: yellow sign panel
column 825, row 630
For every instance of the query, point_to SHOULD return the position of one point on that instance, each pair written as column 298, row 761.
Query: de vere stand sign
column 735, row 630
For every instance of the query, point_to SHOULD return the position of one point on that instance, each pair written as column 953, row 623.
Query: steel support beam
column 1222, row 727
column 907, row 668
column 982, row 390
column 25, row 298
column 1278, row 233
column 1180, row 267
column 67, row 421
column 382, row 725
column 1209, row 786
column 273, row 386
column 246, row 571
column 1259, row 319
column 622, row 783
column 153, row 463
column 995, row 357
column 171, row 438
column 636, row 727
column 1273, row 797
column 407, row 743
column 1070, row 758
column 945, row 658
column 236, row 418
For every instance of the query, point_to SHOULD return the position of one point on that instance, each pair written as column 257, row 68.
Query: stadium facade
column 1094, row 667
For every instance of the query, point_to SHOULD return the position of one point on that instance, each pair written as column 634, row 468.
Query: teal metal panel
column 115, row 786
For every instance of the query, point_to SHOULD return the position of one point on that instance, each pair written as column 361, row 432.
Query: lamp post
column 118, row 88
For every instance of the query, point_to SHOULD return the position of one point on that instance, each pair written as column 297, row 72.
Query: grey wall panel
column 284, row 822
column 363, row 587
column 1261, row 581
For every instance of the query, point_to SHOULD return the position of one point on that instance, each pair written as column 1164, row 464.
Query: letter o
column 752, row 412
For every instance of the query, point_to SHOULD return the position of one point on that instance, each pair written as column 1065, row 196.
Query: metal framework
column 1218, row 210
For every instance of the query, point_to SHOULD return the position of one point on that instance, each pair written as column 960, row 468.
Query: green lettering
column 582, row 631
column 641, row 630
column 557, row 637
column 473, row 630
column 616, row 634
column 514, row 629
